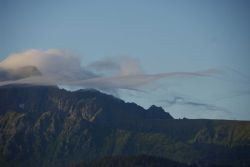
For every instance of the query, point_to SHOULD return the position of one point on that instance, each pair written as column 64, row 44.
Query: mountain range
column 45, row 126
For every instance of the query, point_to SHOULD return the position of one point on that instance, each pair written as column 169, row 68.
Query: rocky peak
column 158, row 113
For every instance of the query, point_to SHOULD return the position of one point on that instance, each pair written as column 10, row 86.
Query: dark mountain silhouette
column 48, row 126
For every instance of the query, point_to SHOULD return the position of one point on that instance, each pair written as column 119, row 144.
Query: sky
column 190, row 57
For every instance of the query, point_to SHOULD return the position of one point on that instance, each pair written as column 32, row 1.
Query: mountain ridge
column 48, row 126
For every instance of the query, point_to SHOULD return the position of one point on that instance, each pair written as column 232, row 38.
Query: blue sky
column 162, row 36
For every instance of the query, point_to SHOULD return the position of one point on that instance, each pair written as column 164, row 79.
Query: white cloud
column 53, row 63
column 60, row 67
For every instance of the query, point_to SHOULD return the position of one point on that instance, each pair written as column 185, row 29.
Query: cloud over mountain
column 60, row 67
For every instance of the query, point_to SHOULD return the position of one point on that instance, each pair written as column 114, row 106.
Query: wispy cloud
column 123, row 66
column 178, row 100
column 59, row 67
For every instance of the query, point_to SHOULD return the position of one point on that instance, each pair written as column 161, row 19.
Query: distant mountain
column 47, row 126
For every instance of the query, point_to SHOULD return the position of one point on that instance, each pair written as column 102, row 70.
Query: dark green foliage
column 133, row 161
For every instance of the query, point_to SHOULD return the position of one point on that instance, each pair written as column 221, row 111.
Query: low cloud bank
column 59, row 67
